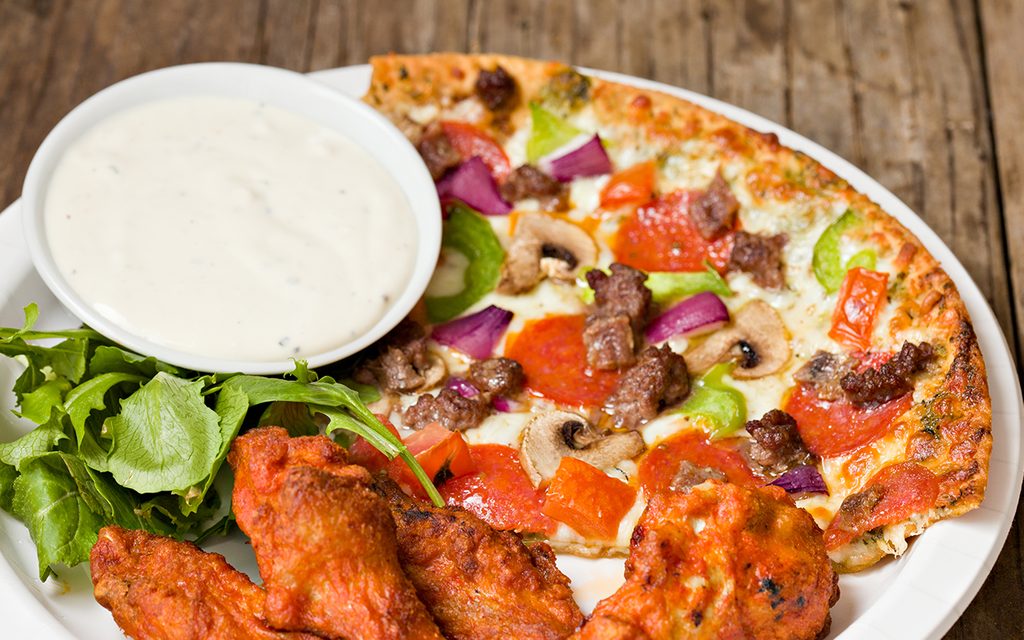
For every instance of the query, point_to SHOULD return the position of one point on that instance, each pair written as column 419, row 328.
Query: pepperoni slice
column 659, row 466
column 469, row 141
column 830, row 428
column 892, row 495
column 554, row 359
column 499, row 493
column 660, row 236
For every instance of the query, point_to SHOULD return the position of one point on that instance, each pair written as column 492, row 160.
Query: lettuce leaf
column 165, row 438
column 36, row 442
column 51, row 504
column 8, row 474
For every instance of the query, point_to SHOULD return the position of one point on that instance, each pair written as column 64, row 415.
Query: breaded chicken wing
column 479, row 583
column 721, row 561
column 161, row 589
column 324, row 541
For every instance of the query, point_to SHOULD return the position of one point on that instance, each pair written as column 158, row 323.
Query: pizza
column 636, row 295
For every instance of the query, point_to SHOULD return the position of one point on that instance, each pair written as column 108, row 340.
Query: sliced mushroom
column 757, row 341
column 544, row 246
column 549, row 437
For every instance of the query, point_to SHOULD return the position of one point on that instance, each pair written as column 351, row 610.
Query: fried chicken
column 477, row 582
column 720, row 561
column 161, row 589
column 324, row 541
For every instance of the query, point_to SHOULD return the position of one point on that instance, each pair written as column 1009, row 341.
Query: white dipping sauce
column 229, row 229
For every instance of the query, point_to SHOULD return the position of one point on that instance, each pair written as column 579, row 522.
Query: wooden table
column 926, row 96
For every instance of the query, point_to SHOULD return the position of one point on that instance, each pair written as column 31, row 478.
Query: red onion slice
column 589, row 159
column 462, row 386
column 505, row 405
column 806, row 479
column 476, row 334
column 697, row 314
column 472, row 183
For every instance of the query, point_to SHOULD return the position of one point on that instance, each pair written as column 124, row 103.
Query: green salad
column 125, row 439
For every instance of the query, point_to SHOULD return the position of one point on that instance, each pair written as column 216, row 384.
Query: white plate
column 918, row 596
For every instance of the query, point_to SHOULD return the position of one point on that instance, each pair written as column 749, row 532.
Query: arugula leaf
column 471, row 235
column 50, row 503
column 36, row 404
column 302, row 372
column 295, row 417
column 66, row 358
column 385, row 442
column 8, row 474
column 109, row 359
column 343, row 409
column 221, row 528
column 367, row 392
column 38, row 441
column 165, row 438
column 116, row 504
column 231, row 407
column 90, row 396
column 31, row 315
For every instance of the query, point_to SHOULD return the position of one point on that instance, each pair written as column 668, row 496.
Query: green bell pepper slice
column 828, row 265
column 666, row 286
column 718, row 403
column 548, row 132
column 470, row 234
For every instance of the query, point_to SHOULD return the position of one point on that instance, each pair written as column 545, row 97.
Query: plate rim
column 29, row 613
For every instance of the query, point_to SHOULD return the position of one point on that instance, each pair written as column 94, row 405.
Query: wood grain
column 926, row 96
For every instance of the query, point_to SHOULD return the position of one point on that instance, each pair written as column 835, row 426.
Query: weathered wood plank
column 1003, row 29
column 921, row 125
column 748, row 56
column 997, row 606
column 62, row 52
column 821, row 104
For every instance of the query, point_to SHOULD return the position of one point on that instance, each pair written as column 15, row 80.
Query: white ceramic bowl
column 284, row 89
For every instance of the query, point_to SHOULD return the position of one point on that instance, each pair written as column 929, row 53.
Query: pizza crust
column 948, row 430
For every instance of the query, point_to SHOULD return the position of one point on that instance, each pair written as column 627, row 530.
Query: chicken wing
column 324, row 541
column 721, row 561
column 479, row 583
column 161, row 589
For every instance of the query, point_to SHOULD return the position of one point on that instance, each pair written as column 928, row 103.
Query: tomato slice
column 583, row 497
column 861, row 297
column 660, row 464
column 893, row 494
column 632, row 186
column 660, row 236
column 366, row 455
column 469, row 141
column 554, row 359
column 443, row 454
column 499, row 493
column 830, row 428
